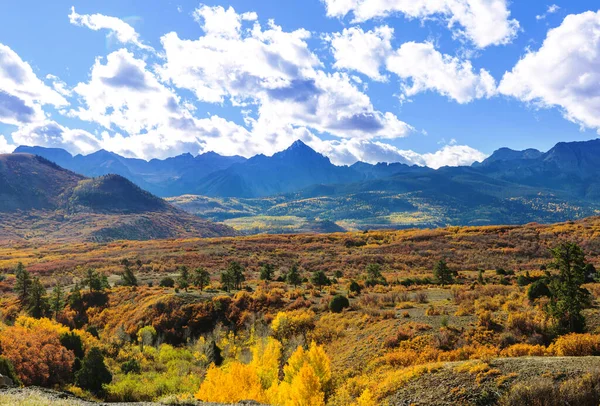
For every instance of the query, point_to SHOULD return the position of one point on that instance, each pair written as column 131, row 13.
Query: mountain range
column 39, row 200
column 300, row 189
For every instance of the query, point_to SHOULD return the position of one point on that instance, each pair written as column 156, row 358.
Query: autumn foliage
column 37, row 355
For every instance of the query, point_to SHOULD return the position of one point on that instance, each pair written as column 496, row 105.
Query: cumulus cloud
column 143, row 117
column 274, row 73
column 423, row 68
column 53, row 135
column 118, row 29
column 453, row 155
column 483, row 22
column 5, row 147
column 220, row 22
column 564, row 72
column 347, row 152
column 364, row 52
column 22, row 93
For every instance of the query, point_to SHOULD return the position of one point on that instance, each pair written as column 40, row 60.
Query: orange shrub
column 37, row 355
column 523, row 350
column 576, row 345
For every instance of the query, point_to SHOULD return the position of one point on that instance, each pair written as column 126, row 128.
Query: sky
column 427, row 82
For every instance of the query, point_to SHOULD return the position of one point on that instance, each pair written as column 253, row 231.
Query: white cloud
column 22, row 93
column 144, row 118
column 364, row 52
column 275, row 73
column 483, row 22
column 220, row 22
column 424, row 68
column 564, row 72
column 5, row 147
column 347, row 152
column 453, row 155
column 550, row 10
column 119, row 29
column 53, row 135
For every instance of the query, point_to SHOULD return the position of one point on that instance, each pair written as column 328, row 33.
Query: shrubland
column 343, row 319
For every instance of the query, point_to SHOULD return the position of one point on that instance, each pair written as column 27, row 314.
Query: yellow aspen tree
column 306, row 389
column 320, row 363
column 230, row 384
column 294, row 363
column 265, row 360
column 366, row 399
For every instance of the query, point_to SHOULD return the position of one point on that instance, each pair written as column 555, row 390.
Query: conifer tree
column 201, row 278
column 442, row 273
column 37, row 301
column 128, row 277
column 293, row 276
column 57, row 300
column 184, row 278
column 23, row 282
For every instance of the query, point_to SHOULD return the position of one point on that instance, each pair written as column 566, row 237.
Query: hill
column 40, row 200
column 168, row 177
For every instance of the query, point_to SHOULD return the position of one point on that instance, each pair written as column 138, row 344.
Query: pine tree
column 480, row 279
column 442, row 273
column 94, row 281
column 266, row 272
column 293, row 276
column 184, row 278
column 374, row 275
column 128, row 277
column 201, row 278
column 37, row 301
column 57, row 300
column 93, row 373
column 567, row 297
column 319, row 279
column 23, row 282
column 227, row 281
column 233, row 277
column 75, row 300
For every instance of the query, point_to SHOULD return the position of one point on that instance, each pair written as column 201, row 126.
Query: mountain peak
column 298, row 148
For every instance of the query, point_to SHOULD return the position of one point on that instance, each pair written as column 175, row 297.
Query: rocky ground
column 34, row 396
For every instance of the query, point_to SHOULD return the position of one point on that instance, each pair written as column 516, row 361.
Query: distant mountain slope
column 166, row 177
column 30, row 182
column 295, row 168
column 507, row 154
column 40, row 200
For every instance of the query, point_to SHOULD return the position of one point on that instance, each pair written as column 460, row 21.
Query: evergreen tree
column 37, row 301
column 442, row 273
column 267, row 272
column 75, row 300
column 567, row 297
column 93, row 373
column 94, row 281
column 213, row 353
column 201, row 278
column 184, row 278
column 234, row 275
column 57, row 300
column 319, row 279
column 374, row 275
column 22, row 282
column 128, row 276
column 480, row 279
column 227, row 281
column 293, row 276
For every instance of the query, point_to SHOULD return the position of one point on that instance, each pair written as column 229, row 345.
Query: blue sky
column 427, row 82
